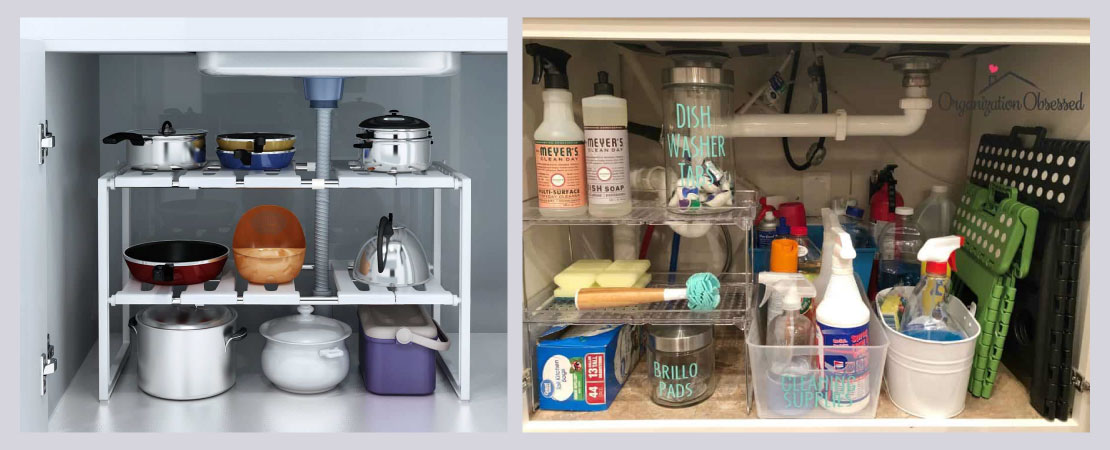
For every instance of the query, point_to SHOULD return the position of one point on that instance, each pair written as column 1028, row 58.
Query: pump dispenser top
column 603, row 86
column 550, row 64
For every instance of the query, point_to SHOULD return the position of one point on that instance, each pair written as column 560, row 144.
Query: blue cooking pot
column 249, row 160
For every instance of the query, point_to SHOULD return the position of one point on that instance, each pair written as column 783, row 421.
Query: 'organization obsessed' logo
column 987, row 101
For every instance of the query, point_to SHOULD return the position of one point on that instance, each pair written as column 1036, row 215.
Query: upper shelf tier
column 736, row 293
column 648, row 209
column 297, row 176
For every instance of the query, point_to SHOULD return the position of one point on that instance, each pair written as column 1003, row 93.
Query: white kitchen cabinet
column 1037, row 58
column 87, row 78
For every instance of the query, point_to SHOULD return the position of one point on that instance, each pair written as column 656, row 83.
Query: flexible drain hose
column 323, row 170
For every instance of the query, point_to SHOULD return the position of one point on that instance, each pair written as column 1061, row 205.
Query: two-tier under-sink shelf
column 228, row 290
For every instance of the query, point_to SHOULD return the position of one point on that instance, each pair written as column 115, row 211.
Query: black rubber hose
column 823, row 89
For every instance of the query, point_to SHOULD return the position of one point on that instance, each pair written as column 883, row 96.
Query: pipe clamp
column 841, row 124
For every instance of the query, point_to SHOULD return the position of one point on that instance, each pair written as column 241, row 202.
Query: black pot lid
column 167, row 130
column 253, row 136
column 180, row 317
column 394, row 121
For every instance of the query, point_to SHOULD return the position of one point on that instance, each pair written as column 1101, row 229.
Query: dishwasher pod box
column 582, row 367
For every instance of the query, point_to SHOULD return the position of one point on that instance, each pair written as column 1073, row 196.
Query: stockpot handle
column 259, row 144
column 115, row 138
column 364, row 145
column 133, row 324
column 385, row 231
column 236, row 336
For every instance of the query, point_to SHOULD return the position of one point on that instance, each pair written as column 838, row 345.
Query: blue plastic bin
column 865, row 256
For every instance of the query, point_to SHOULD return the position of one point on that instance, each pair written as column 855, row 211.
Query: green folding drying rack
column 998, row 233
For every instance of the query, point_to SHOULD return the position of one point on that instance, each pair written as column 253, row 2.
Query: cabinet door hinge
column 1080, row 383
column 49, row 365
column 46, row 141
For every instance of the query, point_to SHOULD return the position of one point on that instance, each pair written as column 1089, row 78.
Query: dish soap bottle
column 842, row 321
column 605, row 118
column 925, row 316
column 559, row 144
column 792, row 368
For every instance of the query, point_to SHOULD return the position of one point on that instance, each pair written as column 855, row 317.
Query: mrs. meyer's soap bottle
column 605, row 118
column 560, row 144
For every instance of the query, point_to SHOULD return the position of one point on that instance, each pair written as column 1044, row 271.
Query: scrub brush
column 702, row 292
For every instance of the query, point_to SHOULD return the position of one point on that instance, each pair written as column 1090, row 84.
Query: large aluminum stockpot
column 186, row 352
column 166, row 148
column 395, row 143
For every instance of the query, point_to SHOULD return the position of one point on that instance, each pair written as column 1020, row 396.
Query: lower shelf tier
column 727, row 409
column 224, row 292
column 736, row 292
column 255, row 405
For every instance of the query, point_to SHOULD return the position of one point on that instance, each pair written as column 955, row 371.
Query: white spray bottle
column 842, row 321
column 832, row 227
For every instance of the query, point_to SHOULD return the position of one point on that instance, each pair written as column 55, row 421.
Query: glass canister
column 697, row 104
column 681, row 362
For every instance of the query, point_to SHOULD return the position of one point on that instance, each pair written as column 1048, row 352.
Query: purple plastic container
column 398, row 349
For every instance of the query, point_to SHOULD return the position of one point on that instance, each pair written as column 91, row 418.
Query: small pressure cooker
column 395, row 143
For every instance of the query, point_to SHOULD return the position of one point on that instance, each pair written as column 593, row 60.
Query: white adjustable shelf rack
column 223, row 291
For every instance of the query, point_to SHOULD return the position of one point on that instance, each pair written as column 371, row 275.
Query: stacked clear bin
column 797, row 394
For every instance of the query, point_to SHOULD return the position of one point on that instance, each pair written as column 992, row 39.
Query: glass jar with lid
column 681, row 362
column 697, row 103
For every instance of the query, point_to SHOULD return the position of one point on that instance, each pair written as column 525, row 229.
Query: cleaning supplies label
column 607, row 165
column 560, row 174
column 846, row 380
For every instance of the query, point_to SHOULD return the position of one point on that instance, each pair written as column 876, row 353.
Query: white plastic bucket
column 929, row 378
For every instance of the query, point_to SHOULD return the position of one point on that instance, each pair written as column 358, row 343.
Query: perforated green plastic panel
column 999, row 232
column 996, row 227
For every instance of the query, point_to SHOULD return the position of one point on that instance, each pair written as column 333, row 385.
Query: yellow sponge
column 623, row 273
column 590, row 265
column 568, row 293
column 643, row 280
column 572, row 279
column 629, row 265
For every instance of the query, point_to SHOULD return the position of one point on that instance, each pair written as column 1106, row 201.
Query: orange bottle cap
column 784, row 255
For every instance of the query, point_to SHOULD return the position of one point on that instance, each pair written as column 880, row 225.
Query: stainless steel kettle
column 393, row 258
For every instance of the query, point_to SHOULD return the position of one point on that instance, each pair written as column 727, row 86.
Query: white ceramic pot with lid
column 305, row 353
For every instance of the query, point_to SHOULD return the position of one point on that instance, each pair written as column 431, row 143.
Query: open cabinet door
column 34, row 405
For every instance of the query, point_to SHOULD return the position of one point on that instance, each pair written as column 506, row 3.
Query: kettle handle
column 385, row 231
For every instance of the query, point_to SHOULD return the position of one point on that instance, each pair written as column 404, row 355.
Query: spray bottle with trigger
column 560, row 145
column 843, row 321
column 925, row 316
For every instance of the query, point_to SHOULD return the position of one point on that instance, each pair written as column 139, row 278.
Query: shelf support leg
column 125, row 239
column 103, row 345
column 464, row 289
column 437, row 241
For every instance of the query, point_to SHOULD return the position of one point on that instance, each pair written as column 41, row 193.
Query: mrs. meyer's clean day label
column 560, row 174
column 607, row 164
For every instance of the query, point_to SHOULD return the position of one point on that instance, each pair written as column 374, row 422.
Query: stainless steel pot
column 395, row 143
column 166, row 148
column 185, row 352
column 393, row 258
